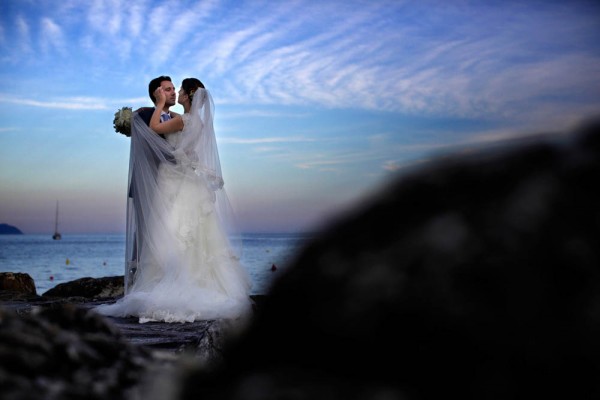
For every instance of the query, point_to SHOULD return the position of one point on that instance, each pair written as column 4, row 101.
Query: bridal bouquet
column 122, row 121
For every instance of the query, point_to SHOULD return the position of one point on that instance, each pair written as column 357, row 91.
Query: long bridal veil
column 182, row 262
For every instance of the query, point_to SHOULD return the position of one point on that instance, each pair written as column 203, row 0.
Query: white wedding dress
column 181, row 265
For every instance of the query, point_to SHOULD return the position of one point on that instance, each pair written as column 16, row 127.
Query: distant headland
column 6, row 229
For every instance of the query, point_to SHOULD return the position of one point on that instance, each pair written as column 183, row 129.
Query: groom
column 146, row 114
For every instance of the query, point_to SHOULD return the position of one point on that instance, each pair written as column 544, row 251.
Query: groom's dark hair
column 155, row 84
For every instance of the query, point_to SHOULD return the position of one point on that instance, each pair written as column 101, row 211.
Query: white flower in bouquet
column 122, row 121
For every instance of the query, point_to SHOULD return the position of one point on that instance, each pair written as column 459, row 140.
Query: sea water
column 51, row 262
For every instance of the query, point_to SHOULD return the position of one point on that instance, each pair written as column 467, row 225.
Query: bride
column 181, row 264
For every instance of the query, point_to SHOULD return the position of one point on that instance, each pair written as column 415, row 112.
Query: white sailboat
column 57, row 235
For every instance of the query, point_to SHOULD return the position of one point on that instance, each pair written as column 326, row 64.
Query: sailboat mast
column 57, row 235
column 56, row 219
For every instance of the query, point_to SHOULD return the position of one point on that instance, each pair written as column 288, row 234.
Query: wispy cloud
column 74, row 103
column 328, row 164
column 233, row 140
column 392, row 166
column 51, row 36
column 24, row 39
column 61, row 105
column 8, row 129
column 250, row 113
column 491, row 60
column 460, row 73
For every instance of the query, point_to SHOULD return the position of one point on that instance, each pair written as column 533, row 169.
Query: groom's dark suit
column 146, row 114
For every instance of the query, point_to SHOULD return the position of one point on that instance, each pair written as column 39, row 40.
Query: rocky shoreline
column 86, row 293
column 71, row 352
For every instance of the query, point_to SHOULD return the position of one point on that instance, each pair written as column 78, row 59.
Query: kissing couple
column 181, row 264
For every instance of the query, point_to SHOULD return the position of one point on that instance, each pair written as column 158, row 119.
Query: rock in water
column 17, row 283
column 475, row 277
column 91, row 288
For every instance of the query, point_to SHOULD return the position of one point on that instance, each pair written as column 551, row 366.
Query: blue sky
column 318, row 103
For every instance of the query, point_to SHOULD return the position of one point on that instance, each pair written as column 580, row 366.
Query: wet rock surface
column 17, row 282
column 59, row 348
column 92, row 288
column 200, row 338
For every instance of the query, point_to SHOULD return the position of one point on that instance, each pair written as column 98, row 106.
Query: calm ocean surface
column 50, row 262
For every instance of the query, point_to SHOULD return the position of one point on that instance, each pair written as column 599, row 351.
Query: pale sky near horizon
column 317, row 102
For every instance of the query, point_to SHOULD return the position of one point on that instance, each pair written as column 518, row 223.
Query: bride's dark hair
column 190, row 85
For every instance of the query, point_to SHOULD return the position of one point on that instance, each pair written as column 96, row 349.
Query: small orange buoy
column 273, row 267
column 67, row 262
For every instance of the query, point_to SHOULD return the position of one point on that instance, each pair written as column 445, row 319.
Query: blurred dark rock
column 58, row 348
column 102, row 357
column 476, row 277
column 66, row 352
column 89, row 288
column 19, row 283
